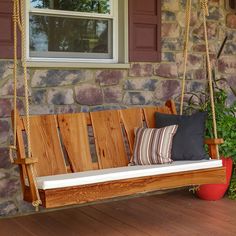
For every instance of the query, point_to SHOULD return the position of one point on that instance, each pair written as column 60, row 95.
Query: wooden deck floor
column 176, row 213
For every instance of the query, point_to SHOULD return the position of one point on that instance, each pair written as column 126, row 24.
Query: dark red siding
column 6, row 30
column 144, row 30
column 232, row 4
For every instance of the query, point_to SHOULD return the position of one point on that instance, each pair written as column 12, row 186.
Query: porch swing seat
column 66, row 173
column 122, row 173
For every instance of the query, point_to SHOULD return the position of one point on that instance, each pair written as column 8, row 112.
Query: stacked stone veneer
column 75, row 90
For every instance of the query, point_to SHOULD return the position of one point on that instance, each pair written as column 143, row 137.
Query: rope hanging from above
column 205, row 13
column 16, row 20
column 19, row 23
column 209, row 69
column 186, row 44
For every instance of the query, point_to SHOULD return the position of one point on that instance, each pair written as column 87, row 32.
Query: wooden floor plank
column 178, row 213
column 153, row 222
column 8, row 227
column 186, row 223
column 161, row 222
column 82, row 224
column 70, row 223
column 41, row 224
column 200, row 215
column 133, row 218
column 118, row 225
column 213, row 210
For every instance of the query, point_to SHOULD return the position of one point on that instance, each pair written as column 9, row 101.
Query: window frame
column 51, row 12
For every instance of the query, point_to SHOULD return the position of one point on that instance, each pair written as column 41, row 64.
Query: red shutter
column 232, row 4
column 145, row 30
column 6, row 30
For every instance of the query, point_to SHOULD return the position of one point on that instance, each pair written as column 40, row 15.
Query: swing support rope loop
column 15, row 17
column 205, row 11
column 23, row 61
column 19, row 20
column 36, row 202
column 186, row 43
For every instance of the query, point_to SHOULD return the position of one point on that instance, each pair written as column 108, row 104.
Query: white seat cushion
column 111, row 174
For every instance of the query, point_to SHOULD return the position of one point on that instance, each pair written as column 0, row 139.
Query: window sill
column 41, row 64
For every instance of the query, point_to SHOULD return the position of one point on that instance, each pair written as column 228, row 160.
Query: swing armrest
column 25, row 161
column 214, row 141
column 213, row 146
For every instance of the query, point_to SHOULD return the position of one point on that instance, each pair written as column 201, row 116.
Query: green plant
column 226, row 128
column 232, row 187
column 225, row 119
column 226, row 124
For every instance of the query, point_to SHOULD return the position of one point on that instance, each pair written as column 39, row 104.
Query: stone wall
column 67, row 90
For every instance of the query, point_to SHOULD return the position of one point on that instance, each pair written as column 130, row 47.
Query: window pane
column 97, row 6
column 70, row 37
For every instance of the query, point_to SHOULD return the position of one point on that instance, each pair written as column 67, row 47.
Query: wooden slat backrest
column 109, row 139
column 74, row 134
column 131, row 118
column 108, row 134
column 46, row 146
column 149, row 114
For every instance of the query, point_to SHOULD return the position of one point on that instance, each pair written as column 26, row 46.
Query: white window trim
column 121, row 59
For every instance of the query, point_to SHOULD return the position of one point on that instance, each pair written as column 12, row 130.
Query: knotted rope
column 19, row 20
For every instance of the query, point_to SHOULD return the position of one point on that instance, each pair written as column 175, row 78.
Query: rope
column 23, row 60
column 18, row 15
column 19, row 20
column 37, row 202
column 205, row 10
column 187, row 27
column 15, row 18
column 209, row 70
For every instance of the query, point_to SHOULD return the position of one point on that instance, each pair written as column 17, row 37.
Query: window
column 75, row 30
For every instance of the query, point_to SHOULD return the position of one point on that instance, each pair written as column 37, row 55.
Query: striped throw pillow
column 153, row 146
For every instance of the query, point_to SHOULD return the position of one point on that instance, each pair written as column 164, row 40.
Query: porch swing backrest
column 61, row 143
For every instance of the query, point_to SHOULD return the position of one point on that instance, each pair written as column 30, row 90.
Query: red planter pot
column 213, row 192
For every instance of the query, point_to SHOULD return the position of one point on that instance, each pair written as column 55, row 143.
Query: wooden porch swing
column 57, row 168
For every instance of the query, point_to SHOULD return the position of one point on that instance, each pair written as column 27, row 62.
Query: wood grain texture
column 212, row 151
column 125, row 229
column 172, row 107
column 109, row 139
column 149, row 114
column 74, row 134
column 26, row 164
column 89, row 193
column 214, row 141
column 9, row 227
column 46, row 146
column 20, row 148
column 213, row 146
column 131, row 119
column 25, row 161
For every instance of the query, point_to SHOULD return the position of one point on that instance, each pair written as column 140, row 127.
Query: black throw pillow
column 188, row 142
